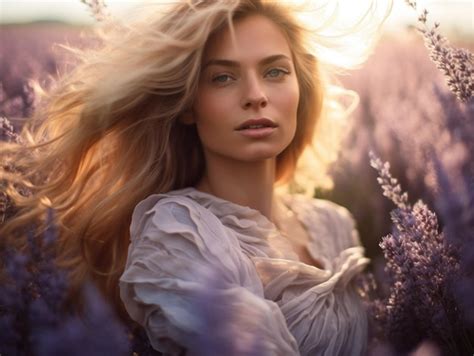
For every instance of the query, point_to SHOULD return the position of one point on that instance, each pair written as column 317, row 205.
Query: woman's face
column 252, row 79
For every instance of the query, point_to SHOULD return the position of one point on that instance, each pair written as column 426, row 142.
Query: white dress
column 204, row 273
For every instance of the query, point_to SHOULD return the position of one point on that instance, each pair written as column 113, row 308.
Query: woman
column 181, row 127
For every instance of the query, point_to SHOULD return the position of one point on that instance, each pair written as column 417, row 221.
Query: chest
column 298, row 237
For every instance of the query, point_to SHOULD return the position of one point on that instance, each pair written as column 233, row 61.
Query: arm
column 171, row 288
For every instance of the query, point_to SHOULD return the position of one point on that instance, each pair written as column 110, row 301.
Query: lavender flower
column 32, row 315
column 411, row 3
column 456, row 205
column 457, row 65
column 423, row 267
column 391, row 188
column 454, row 171
column 97, row 334
column 98, row 9
column 7, row 134
column 7, row 131
column 13, row 302
column 19, row 105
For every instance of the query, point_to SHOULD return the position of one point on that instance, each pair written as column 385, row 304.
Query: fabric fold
column 194, row 256
column 170, row 278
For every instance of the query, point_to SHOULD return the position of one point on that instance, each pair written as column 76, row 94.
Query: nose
column 254, row 95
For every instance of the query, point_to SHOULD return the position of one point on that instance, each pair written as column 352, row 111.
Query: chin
column 260, row 158
column 263, row 154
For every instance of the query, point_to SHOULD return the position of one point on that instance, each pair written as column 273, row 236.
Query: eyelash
column 281, row 72
column 216, row 78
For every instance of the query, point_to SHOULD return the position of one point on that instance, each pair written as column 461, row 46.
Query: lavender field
column 407, row 116
column 398, row 90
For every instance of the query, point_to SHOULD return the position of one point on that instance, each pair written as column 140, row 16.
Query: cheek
column 288, row 106
column 288, row 101
column 210, row 112
column 210, row 109
column 291, row 103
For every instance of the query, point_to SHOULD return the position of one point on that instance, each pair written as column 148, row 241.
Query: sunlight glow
column 454, row 15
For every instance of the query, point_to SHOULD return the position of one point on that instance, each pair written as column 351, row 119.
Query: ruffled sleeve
column 321, row 306
column 189, row 285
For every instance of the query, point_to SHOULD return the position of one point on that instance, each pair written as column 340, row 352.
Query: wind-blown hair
column 108, row 135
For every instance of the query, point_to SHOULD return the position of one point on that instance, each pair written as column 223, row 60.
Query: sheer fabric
column 202, row 268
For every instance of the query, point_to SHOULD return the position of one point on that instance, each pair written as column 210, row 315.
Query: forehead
column 255, row 37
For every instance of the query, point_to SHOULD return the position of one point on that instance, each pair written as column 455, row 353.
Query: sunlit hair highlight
column 108, row 134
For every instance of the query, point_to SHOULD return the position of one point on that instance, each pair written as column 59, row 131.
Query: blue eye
column 276, row 72
column 223, row 78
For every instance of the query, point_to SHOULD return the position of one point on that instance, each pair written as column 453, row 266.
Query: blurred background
column 400, row 92
column 457, row 16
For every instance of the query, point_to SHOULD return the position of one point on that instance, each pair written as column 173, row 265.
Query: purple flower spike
column 425, row 271
column 33, row 317
column 457, row 65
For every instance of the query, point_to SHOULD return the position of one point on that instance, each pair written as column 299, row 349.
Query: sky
column 457, row 15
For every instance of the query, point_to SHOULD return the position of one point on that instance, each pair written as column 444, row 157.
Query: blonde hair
column 108, row 135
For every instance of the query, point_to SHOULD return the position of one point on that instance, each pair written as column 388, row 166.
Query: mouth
column 257, row 129
column 257, row 124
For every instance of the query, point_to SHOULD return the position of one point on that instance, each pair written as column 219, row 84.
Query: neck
column 244, row 183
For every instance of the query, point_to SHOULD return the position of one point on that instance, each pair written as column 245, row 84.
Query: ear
column 187, row 117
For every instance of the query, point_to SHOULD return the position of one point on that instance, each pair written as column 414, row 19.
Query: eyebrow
column 230, row 63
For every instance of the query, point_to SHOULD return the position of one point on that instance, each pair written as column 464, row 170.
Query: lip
column 257, row 133
column 268, row 128
column 263, row 121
